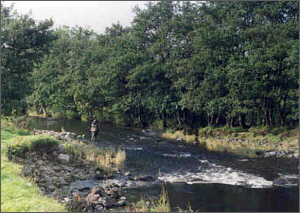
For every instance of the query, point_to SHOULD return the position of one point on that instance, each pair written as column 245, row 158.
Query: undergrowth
column 247, row 142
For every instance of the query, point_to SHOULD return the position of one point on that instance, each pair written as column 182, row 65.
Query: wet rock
column 70, row 135
column 112, row 185
column 286, row 181
column 291, row 155
column 123, row 198
column 108, row 176
column 145, row 178
column 268, row 154
column 120, row 203
column 98, row 177
column 82, row 185
column 94, row 195
column 99, row 208
column 115, row 189
column 290, row 151
column 280, row 153
column 127, row 174
column 107, row 201
column 64, row 158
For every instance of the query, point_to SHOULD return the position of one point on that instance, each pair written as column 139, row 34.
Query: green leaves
column 187, row 64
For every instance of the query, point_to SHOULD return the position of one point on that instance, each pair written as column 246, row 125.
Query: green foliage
column 181, row 65
column 45, row 144
column 23, row 43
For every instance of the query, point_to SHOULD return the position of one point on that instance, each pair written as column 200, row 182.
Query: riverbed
column 207, row 181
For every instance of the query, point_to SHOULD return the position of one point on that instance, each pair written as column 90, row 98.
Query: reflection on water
column 148, row 153
column 220, row 197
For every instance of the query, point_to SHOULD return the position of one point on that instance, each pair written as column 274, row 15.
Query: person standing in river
column 94, row 130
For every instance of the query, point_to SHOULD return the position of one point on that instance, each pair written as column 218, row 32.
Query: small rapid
column 190, row 173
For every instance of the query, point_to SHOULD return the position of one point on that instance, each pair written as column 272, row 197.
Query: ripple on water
column 180, row 155
column 217, row 174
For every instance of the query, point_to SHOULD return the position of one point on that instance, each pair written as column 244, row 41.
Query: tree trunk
column 270, row 113
column 252, row 119
column 178, row 117
column 44, row 110
column 281, row 120
column 218, row 118
column 164, row 119
column 242, row 121
column 140, row 112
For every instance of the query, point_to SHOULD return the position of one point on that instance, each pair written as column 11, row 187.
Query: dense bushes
column 181, row 65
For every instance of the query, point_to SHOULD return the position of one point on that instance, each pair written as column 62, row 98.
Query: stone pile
column 60, row 135
column 54, row 172
column 79, row 184
column 279, row 154
column 104, row 198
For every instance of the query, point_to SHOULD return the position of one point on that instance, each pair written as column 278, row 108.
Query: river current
column 206, row 181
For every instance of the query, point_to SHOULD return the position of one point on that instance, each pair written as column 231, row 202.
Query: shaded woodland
column 180, row 65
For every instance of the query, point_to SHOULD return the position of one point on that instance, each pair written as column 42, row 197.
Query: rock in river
column 286, row 181
column 82, row 185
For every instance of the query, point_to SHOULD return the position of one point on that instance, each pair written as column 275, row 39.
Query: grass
column 179, row 135
column 253, row 140
column 103, row 158
column 18, row 194
column 161, row 204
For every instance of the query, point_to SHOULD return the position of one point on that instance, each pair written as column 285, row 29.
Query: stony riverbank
column 63, row 170
column 76, row 181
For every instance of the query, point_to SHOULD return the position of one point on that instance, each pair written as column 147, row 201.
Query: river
column 207, row 181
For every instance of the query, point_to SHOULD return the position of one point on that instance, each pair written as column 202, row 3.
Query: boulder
column 145, row 178
column 61, row 148
column 127, row 174
column 268, row 154
column 107, row 201
column 99, row 208
column 286, row 181
column 113, row 184
column 70, row 135
column 291, row 155
column 280, row 154
column 98, row 177
column 64, row 158
column 82, row 185
column 95, row 194
column 120, row 203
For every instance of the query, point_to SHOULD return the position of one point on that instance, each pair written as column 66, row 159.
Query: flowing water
column 207, row 181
